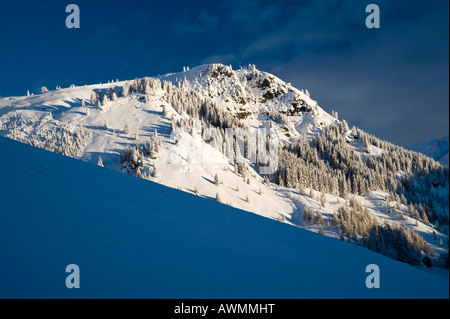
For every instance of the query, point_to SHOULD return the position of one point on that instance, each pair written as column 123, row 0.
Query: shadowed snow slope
column 133, row 238
column 436, row 149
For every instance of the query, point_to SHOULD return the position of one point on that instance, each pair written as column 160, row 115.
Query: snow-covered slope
column 133, row 238
column 70, row 121
column 437, row 149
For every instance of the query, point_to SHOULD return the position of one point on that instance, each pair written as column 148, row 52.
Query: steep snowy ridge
column 146, row 127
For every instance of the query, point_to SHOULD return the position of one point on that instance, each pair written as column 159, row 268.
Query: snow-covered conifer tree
column 126, row 89
column 105, row 100
column 425, row 218
column 335, row 220
column 216, row 180
column 94, row 98
column 321, row 229
column 126, row 129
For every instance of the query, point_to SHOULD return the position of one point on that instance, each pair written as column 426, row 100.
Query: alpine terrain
column 247, row 139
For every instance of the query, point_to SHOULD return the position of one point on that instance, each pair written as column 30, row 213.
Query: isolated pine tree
column 319, row 218
column 165, row 111
column 335, row 220
column 403, row 199
column 126, row 89
column 105, row 100
column 322, row 199
column 266, row 180
column 94, row 98
column 425, row 218
column 321, row 229
column 216, row 180
column 126, row 129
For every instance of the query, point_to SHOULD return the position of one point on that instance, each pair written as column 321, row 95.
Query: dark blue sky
column 391, row 82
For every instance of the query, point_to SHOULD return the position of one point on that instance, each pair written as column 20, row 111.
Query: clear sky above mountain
column 391, row 82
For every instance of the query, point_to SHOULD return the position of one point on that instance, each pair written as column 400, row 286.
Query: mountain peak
column 249, row 92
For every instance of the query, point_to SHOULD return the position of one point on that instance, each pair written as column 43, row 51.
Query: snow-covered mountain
column 173, row 130
column 436, row 149
column 33, row 119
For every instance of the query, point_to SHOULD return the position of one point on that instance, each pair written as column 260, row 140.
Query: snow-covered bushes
column 132, row 160
column 60, row 138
